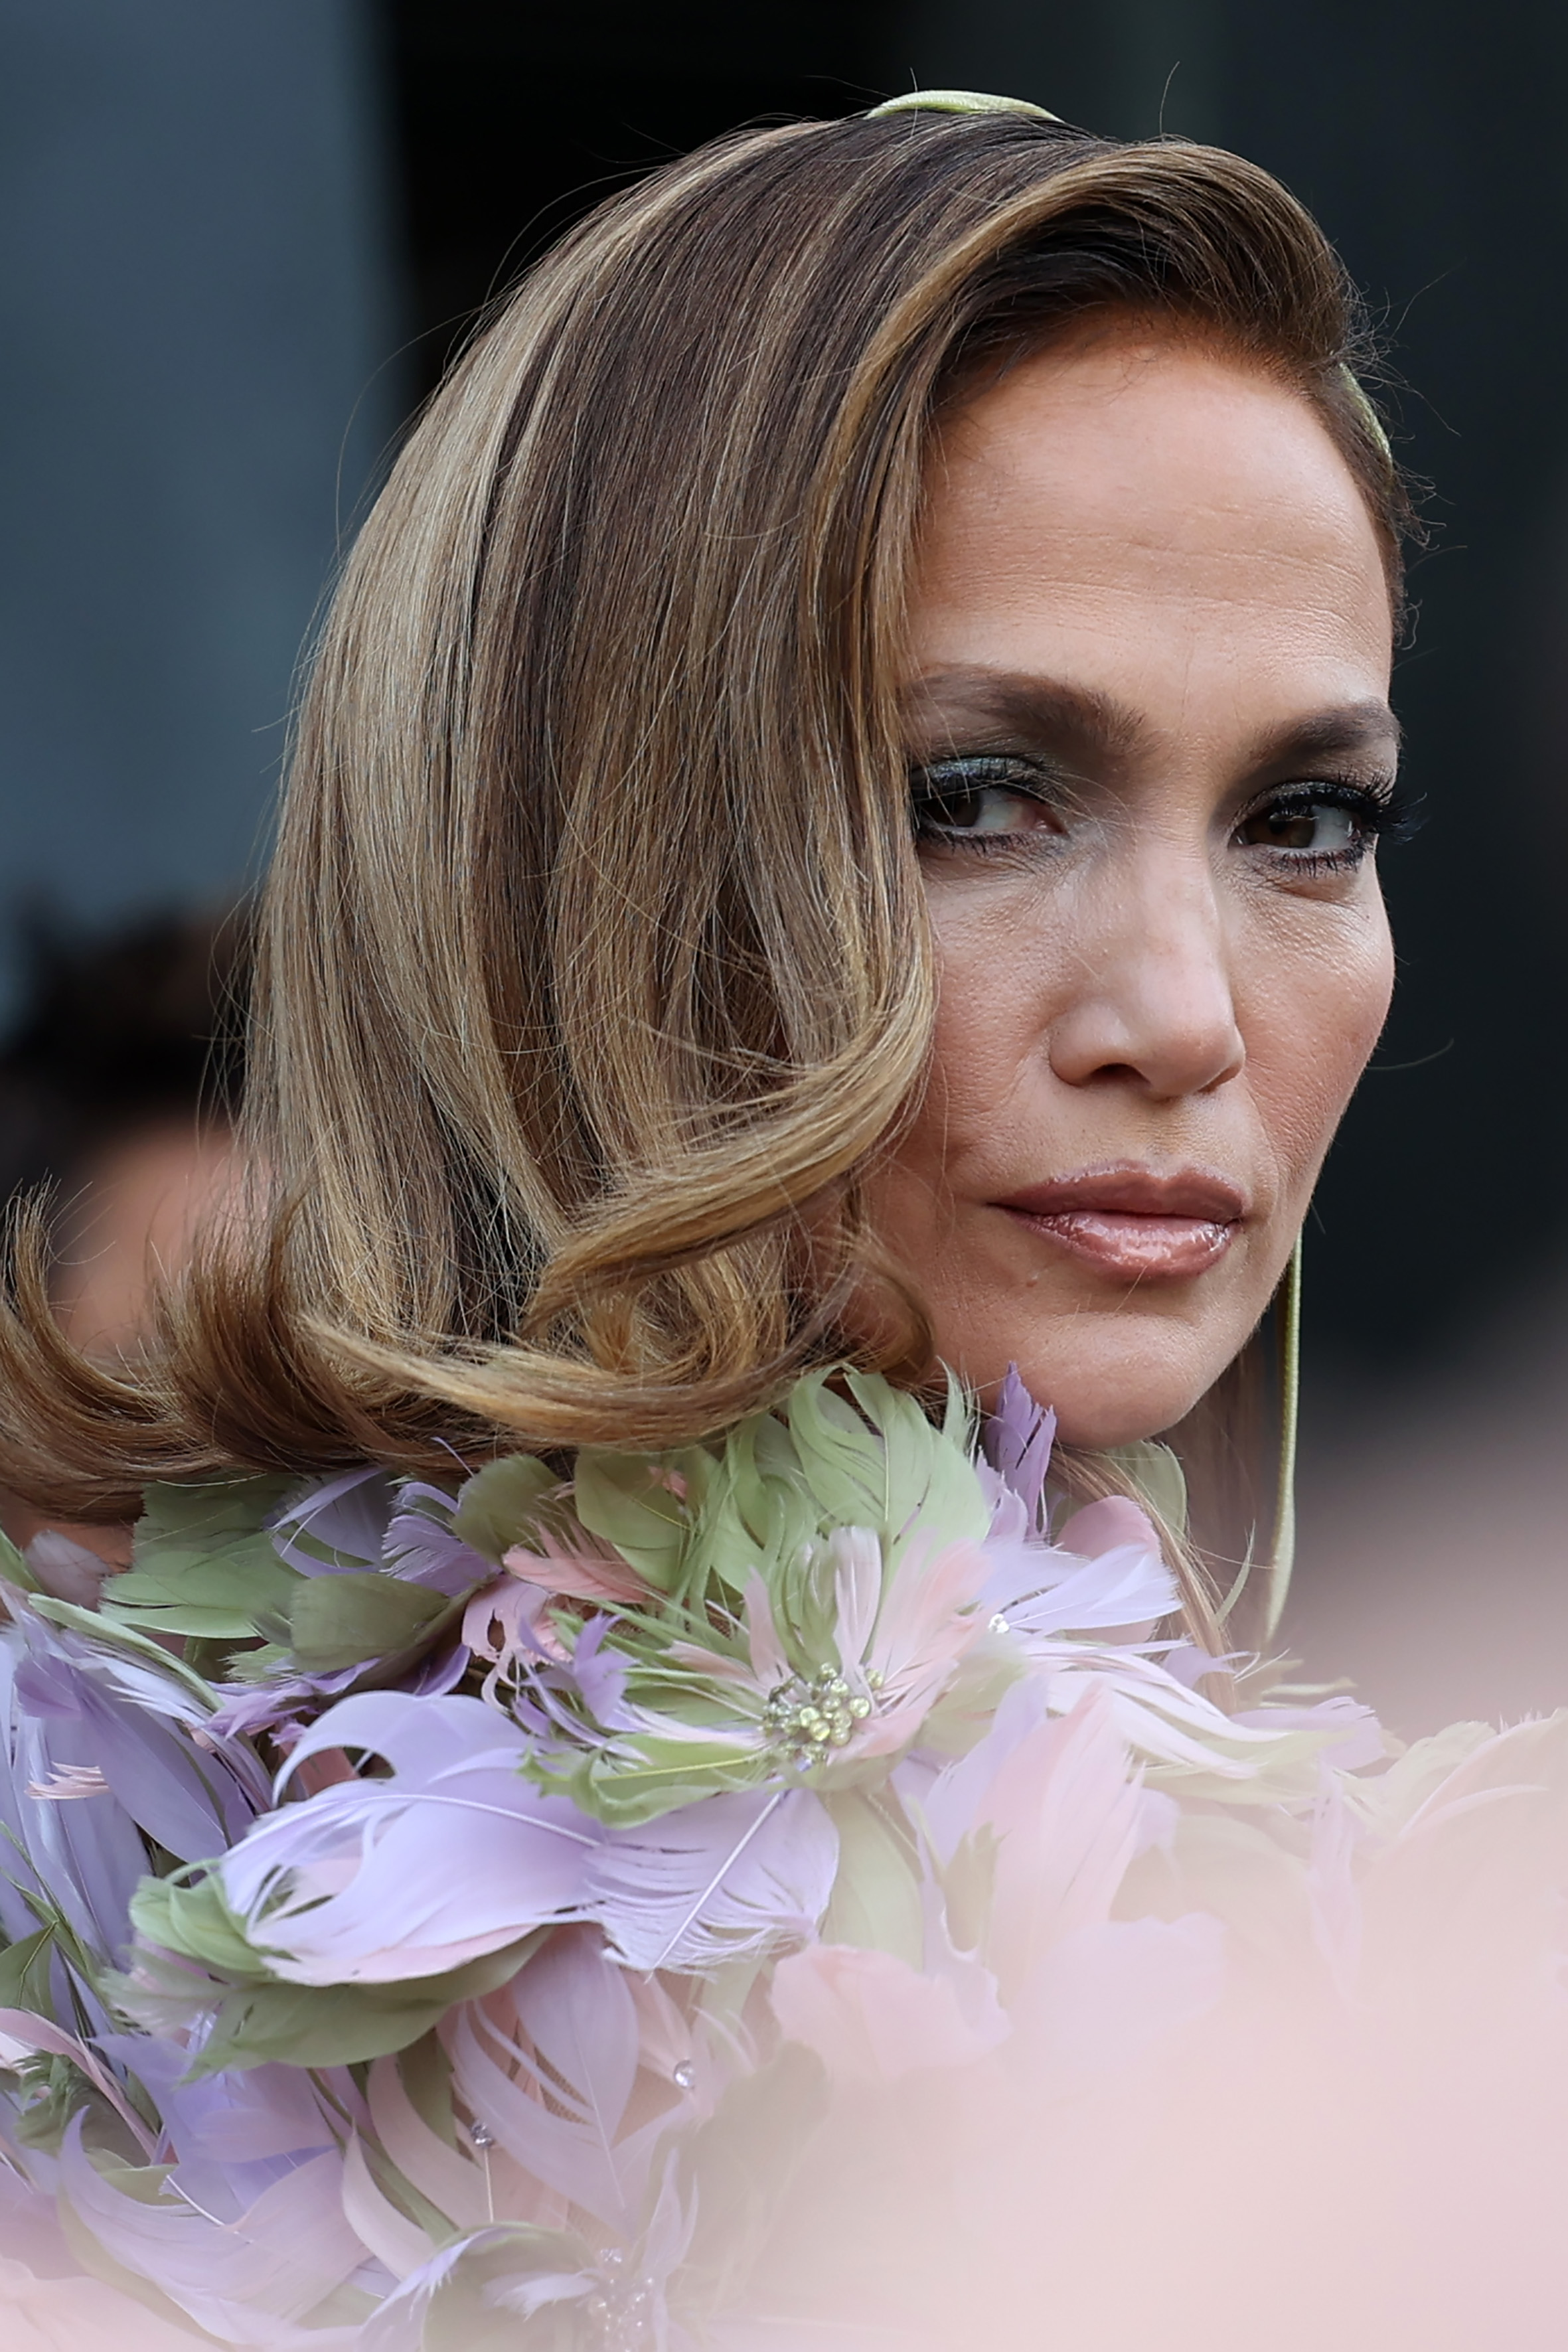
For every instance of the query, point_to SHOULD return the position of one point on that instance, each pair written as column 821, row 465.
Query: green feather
column 13, row 1569
column 625, row 1500
column 501, row 1502
column 840, row 1458
column 204, row 1563
column 257, row 2019
column 1154, row 1473
column 345, row 1620
column 471, row 2309
column 24, row 1973
column 262, row 2024
column 646, row 1776
column 876, row 1895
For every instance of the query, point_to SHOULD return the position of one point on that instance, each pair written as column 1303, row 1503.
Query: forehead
column 1135, row 498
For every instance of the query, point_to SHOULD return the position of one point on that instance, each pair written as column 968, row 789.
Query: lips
column 1134, row 1224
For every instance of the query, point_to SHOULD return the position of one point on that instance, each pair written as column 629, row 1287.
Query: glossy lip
column 1134, row 1224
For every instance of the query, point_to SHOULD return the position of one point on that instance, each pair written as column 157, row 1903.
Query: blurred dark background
column 237, row 246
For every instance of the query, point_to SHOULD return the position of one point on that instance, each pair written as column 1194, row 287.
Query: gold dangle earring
column 1283, row 1553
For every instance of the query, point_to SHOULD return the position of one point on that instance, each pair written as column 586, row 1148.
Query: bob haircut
column 594, row 965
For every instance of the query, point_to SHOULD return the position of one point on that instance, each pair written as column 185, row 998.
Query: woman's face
column 1149, row 724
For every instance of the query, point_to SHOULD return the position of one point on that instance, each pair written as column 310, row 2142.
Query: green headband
column 958, row 102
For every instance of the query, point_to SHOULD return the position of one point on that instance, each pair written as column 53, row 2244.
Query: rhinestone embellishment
column 806, row 1720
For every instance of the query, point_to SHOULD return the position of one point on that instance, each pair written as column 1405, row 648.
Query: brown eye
column 1331, row 829
column 978, row 800
column 991, row 810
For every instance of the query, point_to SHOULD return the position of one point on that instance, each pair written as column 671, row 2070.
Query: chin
column 1119, row 1424
column 1112, row 1396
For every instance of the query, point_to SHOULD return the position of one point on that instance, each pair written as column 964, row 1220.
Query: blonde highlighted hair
column 594, row 967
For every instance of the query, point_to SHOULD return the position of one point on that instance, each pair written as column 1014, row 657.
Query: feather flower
column 452, row 1855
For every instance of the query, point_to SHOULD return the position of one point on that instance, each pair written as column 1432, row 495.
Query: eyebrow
column 1013, row 702
column 1353, row 726
column 947, row 702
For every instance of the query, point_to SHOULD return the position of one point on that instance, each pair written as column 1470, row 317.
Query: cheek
column 1314, row 1017
column 989, row 1027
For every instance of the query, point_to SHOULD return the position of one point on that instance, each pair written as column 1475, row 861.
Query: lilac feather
column 345, row 1516
column 244, row 2281
column 727, row 1877
column 575, row 2042
column 950, row 1803
column 454, row 1855
column 1042, row 1592
column 601, row 1676
column 276, row 1705
column 67, row 1702
column 421, row 1548
column 189, row 1801
column 87, row 1854
column 257, row 2117
column 228, row 2137
column 1017, row 1440
column 363, row 1520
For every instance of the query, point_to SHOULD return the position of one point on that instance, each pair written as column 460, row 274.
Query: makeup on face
column 1151, row 757
column 1135, row 1225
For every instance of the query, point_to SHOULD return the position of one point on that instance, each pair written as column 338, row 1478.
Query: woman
column 600, row 965
column 831, row 839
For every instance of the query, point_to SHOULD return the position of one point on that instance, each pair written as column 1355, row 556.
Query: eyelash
column 1381, row 810
column 996, row 772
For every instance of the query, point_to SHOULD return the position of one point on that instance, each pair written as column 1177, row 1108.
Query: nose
column 1155, row 1005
